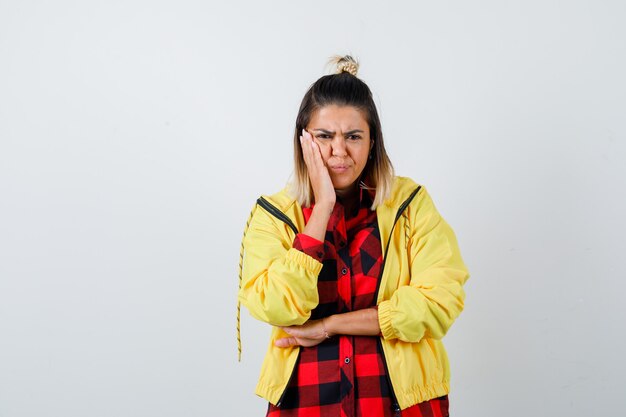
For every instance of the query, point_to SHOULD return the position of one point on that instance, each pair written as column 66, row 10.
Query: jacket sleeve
column 278, row 281
column 434, row 298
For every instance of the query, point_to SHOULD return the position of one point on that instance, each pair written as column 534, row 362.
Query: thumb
column 291, row 330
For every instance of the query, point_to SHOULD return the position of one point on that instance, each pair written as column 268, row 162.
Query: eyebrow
column 332, row 133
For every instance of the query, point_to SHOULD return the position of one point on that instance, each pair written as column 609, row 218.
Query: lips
column 339, row 168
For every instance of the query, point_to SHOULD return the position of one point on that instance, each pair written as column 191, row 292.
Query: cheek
column 360, row 156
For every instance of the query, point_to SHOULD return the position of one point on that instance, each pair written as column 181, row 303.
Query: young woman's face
column 343, row 136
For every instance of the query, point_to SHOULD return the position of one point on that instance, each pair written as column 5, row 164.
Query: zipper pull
column 396, row 408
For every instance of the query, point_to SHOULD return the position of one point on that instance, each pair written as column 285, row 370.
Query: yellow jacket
column 419, row 296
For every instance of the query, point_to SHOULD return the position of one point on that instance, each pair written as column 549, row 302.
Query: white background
column 135, row 137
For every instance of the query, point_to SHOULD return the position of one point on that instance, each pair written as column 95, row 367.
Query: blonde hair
column 342, row 88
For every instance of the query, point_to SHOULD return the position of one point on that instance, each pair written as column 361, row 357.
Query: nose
column 338, row 145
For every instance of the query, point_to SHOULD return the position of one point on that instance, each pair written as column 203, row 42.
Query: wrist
column 329, row 324
column 324, row 207
column 324, row 331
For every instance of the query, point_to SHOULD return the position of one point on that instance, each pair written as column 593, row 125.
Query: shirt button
column 344, row 271
column 347, row 360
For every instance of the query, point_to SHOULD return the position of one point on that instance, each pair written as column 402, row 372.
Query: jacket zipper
column 270, row 208
column 277, row 213
column 401, row 209
column 282, row 216
column 403, row 206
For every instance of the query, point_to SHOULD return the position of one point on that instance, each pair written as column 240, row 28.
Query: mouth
column 339, row 168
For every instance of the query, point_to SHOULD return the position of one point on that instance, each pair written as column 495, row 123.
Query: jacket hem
column 269, row 393
column 410, row 397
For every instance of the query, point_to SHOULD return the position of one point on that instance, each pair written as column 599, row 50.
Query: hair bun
column 344, row 63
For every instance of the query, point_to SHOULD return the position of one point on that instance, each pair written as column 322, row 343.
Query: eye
column 354, row 137
column 323, row 136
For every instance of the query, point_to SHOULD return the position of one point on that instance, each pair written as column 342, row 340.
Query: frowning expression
column 343, row 135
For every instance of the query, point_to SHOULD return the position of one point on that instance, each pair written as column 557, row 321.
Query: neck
column 350, row 193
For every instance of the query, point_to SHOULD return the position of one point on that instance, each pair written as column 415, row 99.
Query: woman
column 354, row 268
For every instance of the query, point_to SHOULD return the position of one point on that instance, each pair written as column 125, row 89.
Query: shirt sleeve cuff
column 384, row 320
column 309, row 245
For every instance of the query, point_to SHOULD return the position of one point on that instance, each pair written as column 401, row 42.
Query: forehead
column 338, row 117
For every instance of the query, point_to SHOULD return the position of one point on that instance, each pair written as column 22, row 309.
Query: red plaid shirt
column 346, row 376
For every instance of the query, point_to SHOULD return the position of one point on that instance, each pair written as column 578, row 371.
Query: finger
column 292, row 331
column 307, row 134
column 312, row 164
column 312, row 153
column 316, row 151
column 307, row 153
column 286, row 342
column 317, row 155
